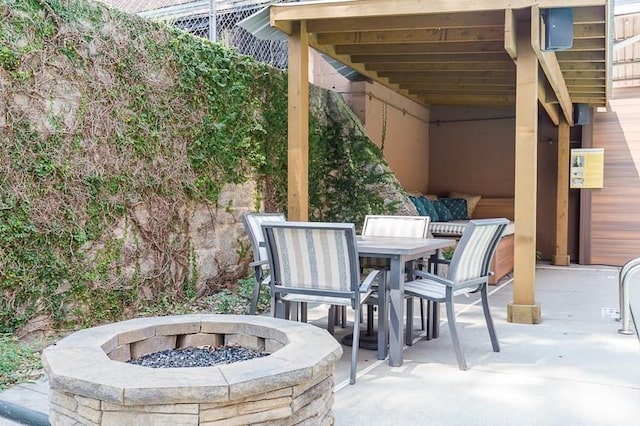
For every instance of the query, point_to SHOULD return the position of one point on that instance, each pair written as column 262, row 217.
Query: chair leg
column 343, row 316
column 354, row 348
column 423, row 319
column 280, row 308
column 435, row 319
column 408, row 332
column 254, row 298
column 331, row 325
column 462, row 364
column 369, row 320
column 487, row 316
column 429, row 320
column 303, row 311
column 383, row 319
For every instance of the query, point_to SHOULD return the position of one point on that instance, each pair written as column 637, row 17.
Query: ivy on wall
column 100, row 112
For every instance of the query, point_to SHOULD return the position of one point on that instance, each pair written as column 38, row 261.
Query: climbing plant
column 102, row 112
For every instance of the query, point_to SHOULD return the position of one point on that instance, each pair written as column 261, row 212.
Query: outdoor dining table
column 400, row 251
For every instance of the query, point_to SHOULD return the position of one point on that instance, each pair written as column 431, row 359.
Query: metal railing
column 215, row 20
column 627, row 272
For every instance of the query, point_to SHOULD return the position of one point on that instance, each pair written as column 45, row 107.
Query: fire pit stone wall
column 91, row 384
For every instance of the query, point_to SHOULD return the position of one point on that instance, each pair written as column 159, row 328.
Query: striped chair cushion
column 313, row 258
column 470, row 263
column 392, row 226
column 255, row 221
column 396, row 226
column 449, row 228
column 456, row 229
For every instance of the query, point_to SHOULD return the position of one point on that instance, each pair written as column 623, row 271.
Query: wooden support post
column 298, row 151
column 523, row 309
column 562, row 197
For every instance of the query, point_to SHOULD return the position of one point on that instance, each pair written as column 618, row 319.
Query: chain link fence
column 196, row 17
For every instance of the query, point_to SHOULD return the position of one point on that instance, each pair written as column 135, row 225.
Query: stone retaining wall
column 90, row 385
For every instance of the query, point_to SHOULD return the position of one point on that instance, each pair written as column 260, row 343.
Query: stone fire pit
column 91, row 384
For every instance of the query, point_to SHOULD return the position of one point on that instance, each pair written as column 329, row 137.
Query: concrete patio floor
column 572, row 369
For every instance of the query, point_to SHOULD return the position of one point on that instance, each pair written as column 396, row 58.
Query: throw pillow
column 419, row 205
column 472, row 201
column 444, row 215
column 431, row 209
column 457, row 207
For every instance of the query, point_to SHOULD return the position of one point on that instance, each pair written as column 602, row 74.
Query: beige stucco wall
column 401, row 128
column 405, row 123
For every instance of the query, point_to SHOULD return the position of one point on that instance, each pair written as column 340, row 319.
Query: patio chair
column 317, row 262
column 391, row 226
column 260, row 264
column 468, row 273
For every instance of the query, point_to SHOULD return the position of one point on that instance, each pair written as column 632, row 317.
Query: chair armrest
column 259, row 263
column 430, row 276
column 449, row 283
column 440, row 261
column 368, row 281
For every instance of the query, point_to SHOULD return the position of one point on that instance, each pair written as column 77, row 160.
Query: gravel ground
column 197, row 357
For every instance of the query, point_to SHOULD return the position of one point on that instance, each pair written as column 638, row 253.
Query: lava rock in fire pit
column 197, row 357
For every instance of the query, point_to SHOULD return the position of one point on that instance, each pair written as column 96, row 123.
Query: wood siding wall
column 615, row 209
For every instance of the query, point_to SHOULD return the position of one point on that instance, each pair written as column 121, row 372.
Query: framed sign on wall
column 587, row 168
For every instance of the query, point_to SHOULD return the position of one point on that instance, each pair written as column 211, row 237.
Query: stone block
column 154, row 408
column 316, row 392
column 302, row 387
column 272, row 345
column 213, row 340
column 245, row 341
column 311, row 410
column 222, row 324
column 120, row 353
column 264, row 405
column 214, row 414
column 136, row 335
column 88, row 402
column 277, row 414
column 151, row 345
column 59, row 419
column 74, row 415
column 90, row 413
column 110, row 344
column 261, row 375
column 63, row 399
column 173, row 328
column 113, row 418
column 278, row 393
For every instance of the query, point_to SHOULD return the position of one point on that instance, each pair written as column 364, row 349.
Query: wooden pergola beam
column 376, row 8
column 413, row 36
column 419, row 21
column 467, row 67
column 462, row 47
column 359, row 68
column 551, row 68
column 524, row 309
column 561, row 256
column 298, row 124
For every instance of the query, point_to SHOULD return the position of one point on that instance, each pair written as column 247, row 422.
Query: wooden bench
column 488, row 208
column 502, row 263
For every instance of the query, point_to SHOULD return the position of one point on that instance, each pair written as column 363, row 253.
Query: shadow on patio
column 573, row 368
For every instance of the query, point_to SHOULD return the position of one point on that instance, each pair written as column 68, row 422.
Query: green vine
column 125, row 114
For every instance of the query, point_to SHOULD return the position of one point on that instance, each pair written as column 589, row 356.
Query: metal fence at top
column 215, row 20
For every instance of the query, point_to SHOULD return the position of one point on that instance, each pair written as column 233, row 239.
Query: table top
column 400, row 245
